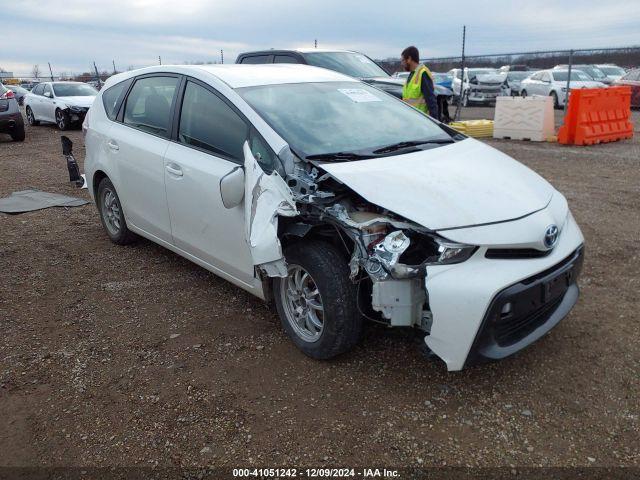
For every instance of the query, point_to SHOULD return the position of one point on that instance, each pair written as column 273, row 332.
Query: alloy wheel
column 302, row 304
column 60, row 120
column 111, row 212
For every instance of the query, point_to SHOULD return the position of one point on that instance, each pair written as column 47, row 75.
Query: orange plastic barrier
column 597, row 115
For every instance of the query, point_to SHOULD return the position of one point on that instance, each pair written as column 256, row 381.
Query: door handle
column 113, row 145
column 174, row 169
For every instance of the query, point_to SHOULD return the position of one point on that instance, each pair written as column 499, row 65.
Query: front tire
column 112, row 215
column 523, row 93
column 556, row 104
column 62, row 120
column 316, row 302
column 31, row 118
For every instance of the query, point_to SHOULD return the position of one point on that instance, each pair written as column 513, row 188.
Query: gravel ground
column 123, row 356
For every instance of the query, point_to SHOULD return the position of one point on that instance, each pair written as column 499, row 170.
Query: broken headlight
column 449, row 253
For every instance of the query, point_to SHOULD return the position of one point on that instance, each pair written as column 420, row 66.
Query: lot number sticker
column 359, row 95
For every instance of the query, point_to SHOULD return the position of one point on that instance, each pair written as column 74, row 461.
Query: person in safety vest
column 418, row 90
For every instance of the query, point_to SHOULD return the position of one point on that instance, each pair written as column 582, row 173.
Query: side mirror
column 232, row 188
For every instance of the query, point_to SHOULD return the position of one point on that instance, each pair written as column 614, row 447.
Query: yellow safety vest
column 412, row 92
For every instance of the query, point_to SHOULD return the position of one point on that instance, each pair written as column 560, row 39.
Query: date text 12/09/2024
column 315, row 473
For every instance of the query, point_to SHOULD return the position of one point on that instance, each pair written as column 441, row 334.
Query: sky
column 72, row 34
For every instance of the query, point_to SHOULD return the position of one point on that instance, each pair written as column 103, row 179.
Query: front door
column 209, row 145
column 138, row 145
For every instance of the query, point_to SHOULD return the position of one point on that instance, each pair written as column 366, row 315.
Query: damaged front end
column 387, row 255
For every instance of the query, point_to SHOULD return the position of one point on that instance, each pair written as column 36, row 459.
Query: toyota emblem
column 550, row 236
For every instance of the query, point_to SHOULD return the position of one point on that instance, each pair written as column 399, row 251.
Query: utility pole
column 566, row 95
column 159, row 60
column 97, row 75
column 50, row 71
column 456, row 117
column 315, row 43
column 114, row 66
column 221, row 56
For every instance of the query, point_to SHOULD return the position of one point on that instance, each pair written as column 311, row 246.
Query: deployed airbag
column 30, row 200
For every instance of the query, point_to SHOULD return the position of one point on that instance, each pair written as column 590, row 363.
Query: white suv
column 336, row 201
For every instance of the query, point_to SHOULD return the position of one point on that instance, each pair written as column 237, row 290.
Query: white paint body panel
column 465, row 183
column 460, row 294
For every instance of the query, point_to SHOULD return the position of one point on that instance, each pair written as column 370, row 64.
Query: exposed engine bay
column 387, row 255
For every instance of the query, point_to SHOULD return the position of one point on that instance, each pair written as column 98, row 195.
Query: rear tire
column 523, row 93
column 112, row 215
column 317, row 301
column 556, row 104
column 31, row 118
column 18, row 135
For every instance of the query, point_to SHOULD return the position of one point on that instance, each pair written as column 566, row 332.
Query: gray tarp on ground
column 30, row 200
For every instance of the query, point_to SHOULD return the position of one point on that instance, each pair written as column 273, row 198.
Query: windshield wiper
column 338, row 156
column 400, row 145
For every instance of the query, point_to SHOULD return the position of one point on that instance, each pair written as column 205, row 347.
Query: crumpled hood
column 84, row 101
column 490, row 77
column 462, row 184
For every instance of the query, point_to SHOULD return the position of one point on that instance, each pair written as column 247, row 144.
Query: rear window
column 111, row 98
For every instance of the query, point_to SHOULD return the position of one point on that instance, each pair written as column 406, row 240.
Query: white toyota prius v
column 337, row 202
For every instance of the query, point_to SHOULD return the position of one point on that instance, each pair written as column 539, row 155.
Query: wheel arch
column 97, row 178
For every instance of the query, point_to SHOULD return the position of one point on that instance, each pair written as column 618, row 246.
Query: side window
column 208, row 123
column 285, row 59
column 111, row 96
column 256, row 59
column 47, row 88
column 546, row 77
column 148, row 105
column 535, row 76
column 262, row 152
column 38, row 89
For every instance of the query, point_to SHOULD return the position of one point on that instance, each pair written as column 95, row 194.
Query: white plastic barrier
column 529, row 118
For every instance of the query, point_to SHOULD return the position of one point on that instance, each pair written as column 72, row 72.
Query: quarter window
column 148, row 106
column 208, row 123
column 111, row 96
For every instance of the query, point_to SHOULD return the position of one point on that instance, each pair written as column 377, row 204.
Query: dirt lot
column 134, row 356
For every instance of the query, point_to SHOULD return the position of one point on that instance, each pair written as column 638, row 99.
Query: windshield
column 612, row 70
column 73, row 90
column 329, row 117
column 349, row 63
column 575, row 75
column 593, row 72
column 517, row 75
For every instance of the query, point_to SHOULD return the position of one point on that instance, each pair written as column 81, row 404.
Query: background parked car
column 349, row 63
column 613, row 72
column 19, row 92
column 62, row 103
column 480, row 85
column 553, row 83
column 443, row 79
column 632, row 79
column 594, row 72
column 403, row 75
column 10, row 116
column 511, row 85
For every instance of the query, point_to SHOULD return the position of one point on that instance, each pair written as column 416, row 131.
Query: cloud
column 71, row 34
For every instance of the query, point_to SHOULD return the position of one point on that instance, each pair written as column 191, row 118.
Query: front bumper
column 77, row 115
column 522, row 313
column 463, row 298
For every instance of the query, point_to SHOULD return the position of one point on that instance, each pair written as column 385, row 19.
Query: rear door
column 208, row 145
column 137, row 144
